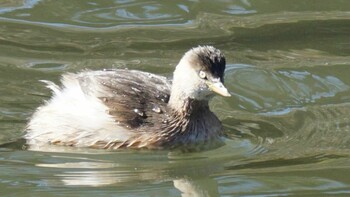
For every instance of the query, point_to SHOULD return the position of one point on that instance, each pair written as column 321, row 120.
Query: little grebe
column 119, row 108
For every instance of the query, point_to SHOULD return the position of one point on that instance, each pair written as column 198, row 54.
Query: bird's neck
column 188, row 106
column 190, row 122
column 182, row 102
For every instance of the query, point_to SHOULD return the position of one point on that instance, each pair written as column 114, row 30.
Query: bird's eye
column 202, row 75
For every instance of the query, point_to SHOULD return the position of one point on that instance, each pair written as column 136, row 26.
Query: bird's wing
column 135, row 99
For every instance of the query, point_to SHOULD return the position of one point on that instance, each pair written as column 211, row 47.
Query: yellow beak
column 218, row 87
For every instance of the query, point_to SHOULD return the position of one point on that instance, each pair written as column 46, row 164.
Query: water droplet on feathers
column 135, row 89
column 139, row 112
column 156, row 109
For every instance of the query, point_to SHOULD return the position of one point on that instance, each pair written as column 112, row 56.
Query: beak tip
column 226, row 94
column 219, row 88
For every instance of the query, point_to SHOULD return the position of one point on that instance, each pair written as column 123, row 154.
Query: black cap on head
column 209, row 59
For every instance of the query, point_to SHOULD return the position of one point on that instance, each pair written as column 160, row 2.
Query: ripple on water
column 47, row 66
column 11, row 6
column 291, row 112
column 270, row 91
column 132, row 13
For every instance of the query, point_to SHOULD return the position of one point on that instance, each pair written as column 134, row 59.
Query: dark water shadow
column 284, row 162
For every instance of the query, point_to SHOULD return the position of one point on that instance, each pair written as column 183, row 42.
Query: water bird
column 120, row 108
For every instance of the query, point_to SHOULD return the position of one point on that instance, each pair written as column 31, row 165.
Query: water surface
column 287, row 124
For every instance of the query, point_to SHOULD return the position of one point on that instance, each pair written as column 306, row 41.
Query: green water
column 287, row 124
